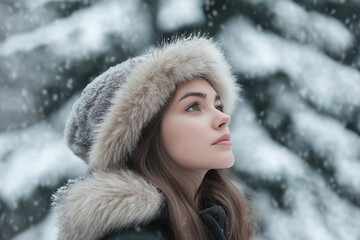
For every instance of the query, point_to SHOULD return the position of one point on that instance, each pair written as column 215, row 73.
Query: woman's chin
column 225, row 162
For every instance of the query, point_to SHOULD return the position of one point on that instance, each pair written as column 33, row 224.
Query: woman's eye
column 220, row 108
column 193, row 107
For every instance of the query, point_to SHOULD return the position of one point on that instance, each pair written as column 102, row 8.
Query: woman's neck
column 191, row 181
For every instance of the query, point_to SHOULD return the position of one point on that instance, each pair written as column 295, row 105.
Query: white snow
column 39, row 3
column 23, row 101
column 86, row 31
column 45, row 230
column 36, row 156
column 256, row 153
column 175, row 14
column 315, row 212
column 329, row 85
column 311, row 207
column 330, row 140
column 313, row 28
column 324, row 135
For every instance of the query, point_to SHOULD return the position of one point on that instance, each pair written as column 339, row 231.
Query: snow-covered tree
column 296, row 133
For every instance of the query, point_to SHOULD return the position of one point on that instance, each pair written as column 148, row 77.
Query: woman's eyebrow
column 198, row 94
column 193, row 94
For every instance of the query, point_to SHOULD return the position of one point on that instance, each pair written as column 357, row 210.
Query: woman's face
column 195, row 130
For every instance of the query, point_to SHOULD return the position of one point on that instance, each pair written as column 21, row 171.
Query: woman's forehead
column 197, row 85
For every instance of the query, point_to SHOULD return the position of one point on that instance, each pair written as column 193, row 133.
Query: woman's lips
column 223, row 140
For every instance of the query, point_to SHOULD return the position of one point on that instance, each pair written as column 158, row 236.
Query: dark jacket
column 159, row 229
column 120, row 205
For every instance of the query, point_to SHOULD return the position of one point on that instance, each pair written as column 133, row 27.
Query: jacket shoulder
column 138, row 233
column 156, row 230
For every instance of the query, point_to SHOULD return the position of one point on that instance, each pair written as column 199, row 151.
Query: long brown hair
column 151, row 160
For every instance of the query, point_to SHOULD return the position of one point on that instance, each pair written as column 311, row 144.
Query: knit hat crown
column 106, row 121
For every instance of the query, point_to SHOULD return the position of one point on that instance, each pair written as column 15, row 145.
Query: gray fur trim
column 106, row 122
column 89, row 110
column 91, row 207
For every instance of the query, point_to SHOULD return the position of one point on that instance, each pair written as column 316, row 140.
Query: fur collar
column 90, row 207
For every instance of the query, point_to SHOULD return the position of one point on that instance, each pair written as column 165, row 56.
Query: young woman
column 154, row 131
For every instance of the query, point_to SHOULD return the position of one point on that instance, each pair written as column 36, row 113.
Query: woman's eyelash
column 193, row 105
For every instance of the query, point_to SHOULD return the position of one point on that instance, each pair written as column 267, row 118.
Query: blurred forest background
column 296, row 134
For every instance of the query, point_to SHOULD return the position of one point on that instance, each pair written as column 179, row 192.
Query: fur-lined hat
column 105, row 123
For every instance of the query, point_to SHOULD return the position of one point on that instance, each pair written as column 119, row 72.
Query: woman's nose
column 221, row 120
